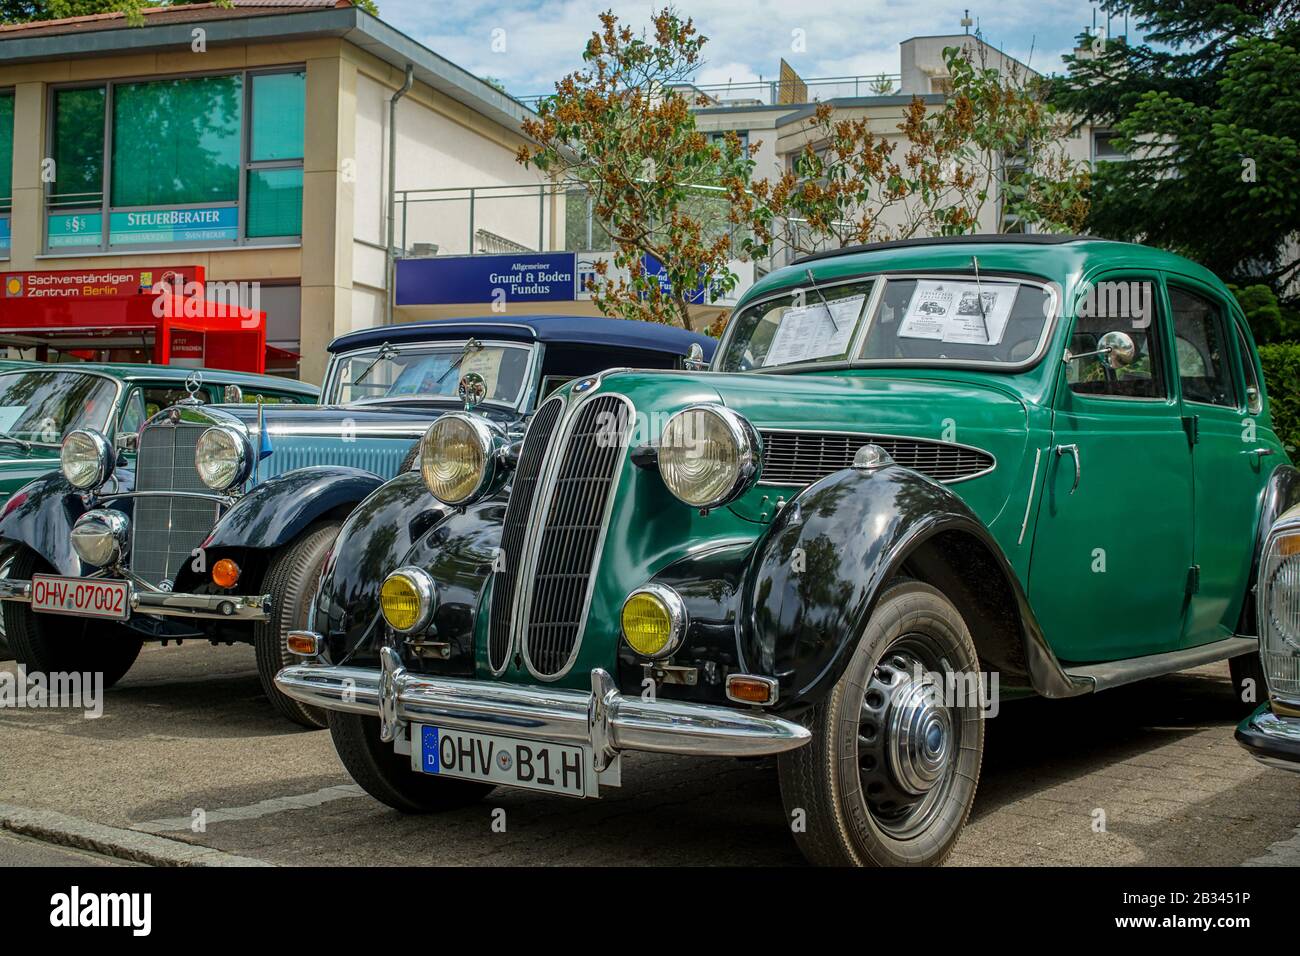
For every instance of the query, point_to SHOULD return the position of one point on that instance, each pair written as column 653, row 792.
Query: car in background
column 220, row 530
column 40, row 404
column 919, row 478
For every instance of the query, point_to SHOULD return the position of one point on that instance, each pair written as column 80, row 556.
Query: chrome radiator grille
column 167, row 529
column 800, row 458
column 515, row 528
column 571, row 531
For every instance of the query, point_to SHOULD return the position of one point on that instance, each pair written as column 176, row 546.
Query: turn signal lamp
column 303, row 643
column 747, row 689
column 225, row 573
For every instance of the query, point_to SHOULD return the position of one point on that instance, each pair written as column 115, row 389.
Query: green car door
column 1113, row 541
column 1232, row 455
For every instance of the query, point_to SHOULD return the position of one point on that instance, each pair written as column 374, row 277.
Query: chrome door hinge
column 1192, row 425
column 1194, row 579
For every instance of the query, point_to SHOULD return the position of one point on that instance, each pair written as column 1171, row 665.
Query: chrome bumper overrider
column 1273, row 739
column 603, row 719
column 221, row 607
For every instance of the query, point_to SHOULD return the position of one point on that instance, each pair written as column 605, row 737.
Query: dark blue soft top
column 568, row 329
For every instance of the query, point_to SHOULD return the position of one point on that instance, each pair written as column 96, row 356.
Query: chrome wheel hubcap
column 908, row 740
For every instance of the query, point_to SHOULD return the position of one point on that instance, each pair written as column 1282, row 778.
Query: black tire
column 855, row 807
column 1248, row 681
column 387, row 775
column 45, row 643
column 291, row 580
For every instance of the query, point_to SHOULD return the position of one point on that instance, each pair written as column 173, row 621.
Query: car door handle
column 1072, row 451
column 1261, row 452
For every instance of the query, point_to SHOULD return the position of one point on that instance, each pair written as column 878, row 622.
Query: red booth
column 161, row 316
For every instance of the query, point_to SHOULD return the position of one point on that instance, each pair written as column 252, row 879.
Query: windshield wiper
column 6, row 438
column 386, row 351
column 473, row 345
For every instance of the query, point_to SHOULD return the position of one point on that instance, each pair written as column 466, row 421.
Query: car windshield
column 940, row 320
column 424, row 372
column 42, row 406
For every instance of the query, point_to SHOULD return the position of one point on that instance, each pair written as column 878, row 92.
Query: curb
column 57, row 828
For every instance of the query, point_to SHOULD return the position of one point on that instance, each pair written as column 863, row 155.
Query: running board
column 1119, row 673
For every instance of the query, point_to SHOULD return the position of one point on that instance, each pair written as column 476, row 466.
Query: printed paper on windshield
column 815, row 331
column 969, row 313
column 487, row 362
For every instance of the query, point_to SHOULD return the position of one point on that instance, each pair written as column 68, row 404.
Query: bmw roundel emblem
column 585, row 385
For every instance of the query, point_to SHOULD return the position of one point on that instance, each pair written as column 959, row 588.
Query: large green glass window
column 177, row 142
column 279, row 109
column 78, row 147
column 6, row 149
column 274, row 202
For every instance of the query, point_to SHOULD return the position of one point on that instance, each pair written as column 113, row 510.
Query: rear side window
column 1201, row 349
column 1254, row 398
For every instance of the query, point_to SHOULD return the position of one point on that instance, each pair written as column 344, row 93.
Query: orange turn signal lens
column 745, row 689
column 303, row 643
column 1288, row 545
column 225, row 573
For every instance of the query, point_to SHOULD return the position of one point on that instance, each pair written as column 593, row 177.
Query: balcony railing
column 769, row 92
column 481, row 220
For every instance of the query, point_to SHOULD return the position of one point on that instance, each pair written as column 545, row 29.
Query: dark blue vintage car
column 220, row 526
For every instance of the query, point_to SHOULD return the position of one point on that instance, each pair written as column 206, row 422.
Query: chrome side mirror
column 233, row 395
column 695, row 358
column 1118, row 348
column 472, row 389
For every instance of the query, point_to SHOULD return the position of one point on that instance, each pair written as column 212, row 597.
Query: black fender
column 801, row 613
column 1280, row 494
column 40, row 516
column 280, row 508
column 376, row 538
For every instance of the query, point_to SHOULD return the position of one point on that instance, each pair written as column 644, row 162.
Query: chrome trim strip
column 603, row 719
column 221, row 607
column 870, row 435
column 205, row 496
column 551, row 471
column 1029, row 504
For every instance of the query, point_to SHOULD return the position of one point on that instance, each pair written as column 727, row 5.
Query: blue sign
column 514, row 277
column 654, row 269
column 5, row 237
column 429, row 749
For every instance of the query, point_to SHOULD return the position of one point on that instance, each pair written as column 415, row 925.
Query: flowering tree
column 667, row 196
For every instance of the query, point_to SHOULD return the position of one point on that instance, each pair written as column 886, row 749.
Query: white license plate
column 529, row 764
column 81, row 596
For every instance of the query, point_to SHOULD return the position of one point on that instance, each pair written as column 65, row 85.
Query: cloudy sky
column 543, row 39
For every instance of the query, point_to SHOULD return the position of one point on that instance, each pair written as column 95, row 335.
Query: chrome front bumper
column 219, row 607
column 603, row 719
column 1273, row 739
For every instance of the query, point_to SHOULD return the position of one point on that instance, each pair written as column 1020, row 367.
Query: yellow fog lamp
column 654, row 621
column 408, row 599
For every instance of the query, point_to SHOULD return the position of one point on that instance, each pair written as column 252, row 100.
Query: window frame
column 7, row 202
column 1163, row 336
column 105, row 209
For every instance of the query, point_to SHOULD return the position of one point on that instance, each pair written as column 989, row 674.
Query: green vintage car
column 917, row 479
column 41, row 403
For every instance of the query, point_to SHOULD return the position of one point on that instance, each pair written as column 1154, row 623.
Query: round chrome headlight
column 222, row 457
column 709, row 455
column 654, row 621
column 100, row 537
column 407, row 599
column 458, row 457
column 1279, row 617
column 86, row 458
